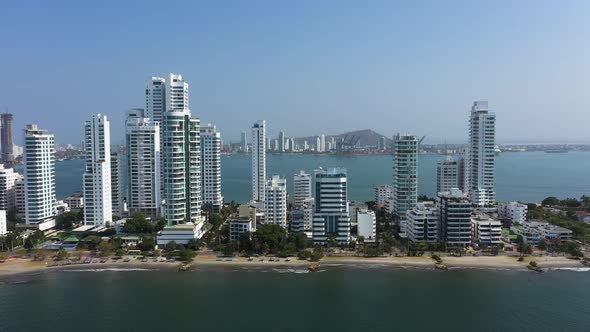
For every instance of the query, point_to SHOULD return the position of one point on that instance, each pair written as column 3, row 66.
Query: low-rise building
column 181, row 234
column 297, row 221
column 512, row 211
column 486, row 230
column 529, row 235
column 239, row 226
column 61, row 207
column 76, row 201
column 367, row 225
column 353, row 210
column 422, row 223
column 556, row 233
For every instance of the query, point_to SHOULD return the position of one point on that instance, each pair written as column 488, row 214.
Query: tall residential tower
column 181, row 157
column 143, row 164
column 39, row 179
column 6, row 147
column 258, row 160
column 97, row 174
column 405, row 174
column 482, row 135
column 331, row 218
column 211, row 172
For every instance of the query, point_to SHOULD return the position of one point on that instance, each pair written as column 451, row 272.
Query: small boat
column 184, row 267
column 441, row 266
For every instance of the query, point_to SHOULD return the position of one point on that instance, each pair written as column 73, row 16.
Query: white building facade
column 367, row 225
column 7, row 190
column 482, row 159
column 181, row 158
column 383, row 193
column 39, row 175
column 275, row 201
column 143, row 164
column 512, row 211
column 258, row 160
column 301, row 188
column 211, row 163
column 422, row 223
column 97, row 174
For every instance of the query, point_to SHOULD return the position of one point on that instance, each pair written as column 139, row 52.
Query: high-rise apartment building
column 19, row 195
column 118, row 189
column 275, row 201
column 331, row 218
column 258, row 160
column 211, row 164
column 7, row 193
column 447, row 175
column 39, row 175
column 454, row 218
column 463, row 170
column 143, row 164
column 281, row 142
column 482, row 135
column 6, row 143
column 301, row 188
column 97, row 174
column 405, row 174
column 181, row 157
column 244, row 142
column 383, row 194
column 322, row 143
column 155, row 99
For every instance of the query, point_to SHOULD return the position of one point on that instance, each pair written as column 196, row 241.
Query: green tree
column 551, row 201
column 62, row 254
column 105, row 248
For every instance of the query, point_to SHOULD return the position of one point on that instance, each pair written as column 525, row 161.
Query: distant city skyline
column 383, row 65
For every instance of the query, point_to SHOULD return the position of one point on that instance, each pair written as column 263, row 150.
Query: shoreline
column 26, row 266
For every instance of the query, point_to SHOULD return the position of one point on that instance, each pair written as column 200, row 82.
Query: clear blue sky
column 307, row 67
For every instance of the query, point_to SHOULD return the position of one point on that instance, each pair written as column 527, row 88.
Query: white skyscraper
column 155, row 99
column 258, row 160
column 330, row 217
column 405, row 174
column 302, row 188
column 318, row 144
column 211, row 172
column 7, row 194
column 322, row 143
column 447, row 175
column 482, row 136
column 39, row 177
column 275, row 201
column 97, row 174
column 281, row 141
column 181, row 158
column 143, row 164
column 244, row 142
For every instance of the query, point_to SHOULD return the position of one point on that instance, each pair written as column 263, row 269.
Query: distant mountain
column 365, row 137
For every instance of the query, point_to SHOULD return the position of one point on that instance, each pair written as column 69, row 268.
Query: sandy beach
column 21, row 265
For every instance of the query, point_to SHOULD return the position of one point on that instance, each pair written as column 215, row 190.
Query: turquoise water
column 338, row 299
column 529, row 176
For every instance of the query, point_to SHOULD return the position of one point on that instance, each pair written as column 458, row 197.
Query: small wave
column 575, row 269
column 113, row 269
column 296, row 271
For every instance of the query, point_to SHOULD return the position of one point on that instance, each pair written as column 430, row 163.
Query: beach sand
column 18, row 266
